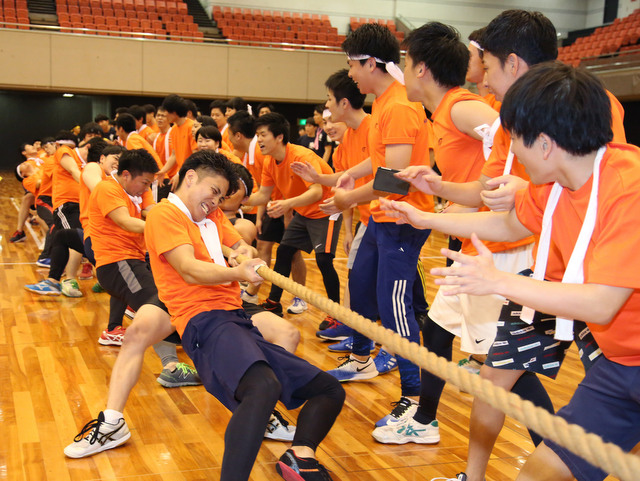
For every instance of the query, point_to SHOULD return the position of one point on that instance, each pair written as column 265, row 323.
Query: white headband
column 326, row 114
column 476, row 45
column 66, row 142
column 394, row 70
column 246, row 191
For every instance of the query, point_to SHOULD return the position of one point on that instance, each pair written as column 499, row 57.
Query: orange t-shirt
column 395, row 121
column 155, row 128
column 46, row 183
column 146, row 131
column 231, row 156
column 181, row 143
column 353, row 149
column 85, row 193
column 617, row 120
column 225, row 138
column 65, row 188
column 161, row 146
column 137, row 141
column 31, row 182
column 111, row 243
column 493, row 102
column 612, row 257
column 167, row 227
column 289, row 184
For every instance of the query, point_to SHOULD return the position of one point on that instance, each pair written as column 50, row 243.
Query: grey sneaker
column 279, row 429
column 70, row 288
column 97, row 436
column 182, row 375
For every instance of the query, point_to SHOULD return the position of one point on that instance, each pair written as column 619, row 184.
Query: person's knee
column 259, row 382
column 325, row 261
column 150, row 325
column 326, row 385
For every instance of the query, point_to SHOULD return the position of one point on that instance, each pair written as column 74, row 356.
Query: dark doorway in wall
column 610, row 11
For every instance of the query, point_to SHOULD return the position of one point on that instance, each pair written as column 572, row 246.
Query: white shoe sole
column 98, row 448
column 416, row 440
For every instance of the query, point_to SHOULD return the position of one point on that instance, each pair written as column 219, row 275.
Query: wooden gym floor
column 54, row 378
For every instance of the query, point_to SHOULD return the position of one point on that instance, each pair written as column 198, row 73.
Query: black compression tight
column 257, row 392
column 529, row 387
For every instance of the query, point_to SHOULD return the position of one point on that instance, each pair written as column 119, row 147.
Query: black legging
column 258, row 392
column 284, row 259
column 62, row 241
column 440, row 342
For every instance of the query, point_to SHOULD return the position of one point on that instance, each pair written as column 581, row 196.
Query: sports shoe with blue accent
column 353, row 370
column 44, row 262
column 408, row 431
column 45, row 288
column 338, row 332
column 346, row 345
column 385, row 362
column 297, row 306
column 403, row 409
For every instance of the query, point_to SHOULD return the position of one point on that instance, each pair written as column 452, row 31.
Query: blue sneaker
column 46, row 288
column 385, row 362
column 346, row 345
column 336, row 333
column 353, row 370
column 44, row 262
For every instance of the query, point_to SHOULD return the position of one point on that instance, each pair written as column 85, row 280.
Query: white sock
column 112, row 416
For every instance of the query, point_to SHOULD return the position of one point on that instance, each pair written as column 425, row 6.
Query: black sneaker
column 293, row 468
column 272, row 306
column 327, row 323
column 18, row 236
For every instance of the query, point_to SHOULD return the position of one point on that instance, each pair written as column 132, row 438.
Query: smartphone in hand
column 386, row 181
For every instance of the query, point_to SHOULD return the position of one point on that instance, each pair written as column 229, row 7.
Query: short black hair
column 374, row 40
column 209, row 132
column 311, row 121
column 149, row 108
column 569, row 105
column 137, row 162
column 47, row 140
column 267, row 105
column 191, row 107
column 244, row 175
column 175, row 104
column 206, row 120
column 96, row 149
column 66, row 135
column 90, row 128
column 127, row 122
column 342, row 86
column 276, row 124
column 529, row 35
column 100, row 118
column 113, row 150
column 439, row 47
column 477, row 34
column 23, row 145
column 138, row 112
column 211, row 163
column 319, row 109
column 237, row 103
column 218, row 104
column 122, row 110
column 243, row 122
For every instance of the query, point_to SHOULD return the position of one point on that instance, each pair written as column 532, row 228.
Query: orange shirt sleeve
column 401, row 125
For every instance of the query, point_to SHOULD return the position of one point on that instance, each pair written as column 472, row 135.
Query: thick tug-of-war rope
column 591, row 447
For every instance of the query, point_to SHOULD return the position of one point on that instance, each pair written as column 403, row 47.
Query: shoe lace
column 333, row 322
column 345, row 360
column 91, row 431
column 400, row 407
column 185, row 369
column 463, row 362
column 273, row 423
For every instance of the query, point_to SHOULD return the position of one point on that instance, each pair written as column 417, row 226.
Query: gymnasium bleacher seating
column 15, row 13
column 264, row 27
column 618, row 38
column 129, row 18
column 354, row 23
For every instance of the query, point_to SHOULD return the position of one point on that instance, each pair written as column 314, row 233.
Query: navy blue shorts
column 224, row 344
column 607, row 403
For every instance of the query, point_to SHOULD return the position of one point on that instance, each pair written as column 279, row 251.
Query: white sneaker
column 97, row 436
column 459, row 477
column 246, row 297
column 470, row 365
column 70, row 288
column 354, row 370
column 297, row 306
column 408, row 431
column 403, row 409
column 279, row 429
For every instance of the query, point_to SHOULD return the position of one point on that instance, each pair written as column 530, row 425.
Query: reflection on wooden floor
column 54, row 377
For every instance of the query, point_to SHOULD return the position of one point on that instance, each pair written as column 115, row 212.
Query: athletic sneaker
column 182, row 375
column 44, row 262
column 18, row 236
column 459, row 477
column 97, row 288
column 408, row 431
column 272, row 306
column 338, row 332
column 129, row 312
column 470, row 365
column 354, row 370
column 87, row 271
column 297, row 306
column 327, row 323
column 97, row 436
column 346, row 345
column 246, row 297
column 114, row 337
column 293, row 468
column 385, row 362
column 405, row 408
column 70, row 288
column 45, row 288
column 279, row 428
